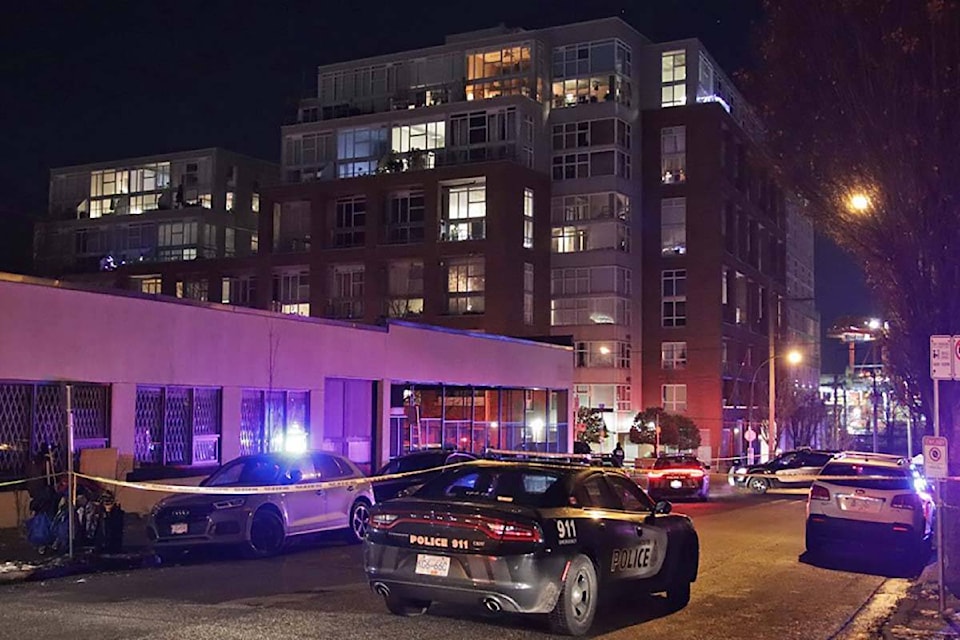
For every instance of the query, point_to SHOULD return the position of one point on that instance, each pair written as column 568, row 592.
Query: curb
column 63, row 567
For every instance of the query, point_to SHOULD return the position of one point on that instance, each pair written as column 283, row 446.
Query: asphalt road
column 753, row 584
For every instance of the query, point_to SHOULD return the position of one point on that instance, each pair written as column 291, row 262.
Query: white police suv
column 879, row 500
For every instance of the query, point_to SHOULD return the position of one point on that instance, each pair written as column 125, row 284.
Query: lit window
column 230, row 200
column 527, row 293
column 673, row 355
column 673, row 226
column 464, row 212
column 673, row 78
column 528, row 218
column 673, row 155
column 255, row 202
column 466, row 282
column 674, row 398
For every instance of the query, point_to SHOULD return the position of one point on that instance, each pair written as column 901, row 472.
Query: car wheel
column 359, row 521
column 703, row 497
column 267, row 534
column 678, row 595
column 406, row 606
column 758, row 485
column 921, row 555
column 577, row 603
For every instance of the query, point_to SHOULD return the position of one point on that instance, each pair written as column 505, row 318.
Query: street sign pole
column 71, row 479
column 941, row 599
column 944, row 365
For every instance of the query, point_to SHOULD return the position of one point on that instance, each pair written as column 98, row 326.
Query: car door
column 338, row 499
column 594, row 530
column 304, row 508
column 641, row 545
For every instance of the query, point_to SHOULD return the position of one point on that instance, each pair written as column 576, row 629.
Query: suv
column 875, row 499
column 792, row 469
column 427, row 461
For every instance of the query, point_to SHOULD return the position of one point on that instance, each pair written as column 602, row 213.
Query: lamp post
column 656, row 441
column 792, row 357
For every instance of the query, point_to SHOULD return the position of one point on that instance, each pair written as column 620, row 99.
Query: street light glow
column 859, row 202
column 794, row 357
column 874, row 324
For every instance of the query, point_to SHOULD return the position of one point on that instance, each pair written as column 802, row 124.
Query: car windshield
column 867, row 476
column 259, row 471
column 677, row 463
column 523, row 486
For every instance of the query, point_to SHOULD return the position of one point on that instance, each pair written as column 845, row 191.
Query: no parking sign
column 935, row 457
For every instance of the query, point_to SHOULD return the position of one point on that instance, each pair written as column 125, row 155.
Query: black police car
column 528, row 537
column 678, row 476
column 425, row 461
column 792, row 469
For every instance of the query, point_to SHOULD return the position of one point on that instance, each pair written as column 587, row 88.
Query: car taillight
column 906, row 501
column 512, row 531
column 696, row 473
column 819, row 492
column 655, row 474
column 383, row 520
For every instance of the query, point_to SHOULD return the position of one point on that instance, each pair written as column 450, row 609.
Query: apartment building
column 173, row 207
column 578, row 181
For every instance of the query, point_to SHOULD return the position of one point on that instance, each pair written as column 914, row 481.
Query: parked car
column 529, row 537
column 427, row 461
column 263, row 523
column 791, row 469
column 875, row 500
column 678, row 476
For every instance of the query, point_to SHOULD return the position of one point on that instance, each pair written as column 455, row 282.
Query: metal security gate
column 33, row 413
column 177, row 426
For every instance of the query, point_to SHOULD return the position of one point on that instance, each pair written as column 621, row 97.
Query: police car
column 871, row 499
column 528, row 537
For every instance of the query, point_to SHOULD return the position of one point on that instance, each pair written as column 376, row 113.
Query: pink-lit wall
column 52, row 333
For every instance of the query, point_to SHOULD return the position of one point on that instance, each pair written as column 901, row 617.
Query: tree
column 802, row 414
column 863, row 102
column 590, row 425
column 675, row 430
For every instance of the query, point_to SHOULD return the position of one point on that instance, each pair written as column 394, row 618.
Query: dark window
column 596, row 493
column 677, row 463
column 527, row 487
column 628, row 494
column 864, row 476
column 327, row 467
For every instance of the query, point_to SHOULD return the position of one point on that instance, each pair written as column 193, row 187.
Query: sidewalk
column 916, row 617
column 20, row 561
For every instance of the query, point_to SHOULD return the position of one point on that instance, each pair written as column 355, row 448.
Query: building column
column 316, row 415
column 123, row 418
column 230, row 423
column 381, row 424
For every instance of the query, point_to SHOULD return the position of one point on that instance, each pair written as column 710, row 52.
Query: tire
column 359, row 521
column 678, row 595
column 577, row 602
column 405, row 606
column 920, row 555
column 758, row 485
column 267, row 535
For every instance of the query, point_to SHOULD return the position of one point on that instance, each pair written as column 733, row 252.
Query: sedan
column 678, row 477
column 263, row 523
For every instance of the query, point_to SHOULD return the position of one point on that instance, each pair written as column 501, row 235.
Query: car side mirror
column 662, row 507
column 295, row 476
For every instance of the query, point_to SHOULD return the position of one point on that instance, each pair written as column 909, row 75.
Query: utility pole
column 876, row 426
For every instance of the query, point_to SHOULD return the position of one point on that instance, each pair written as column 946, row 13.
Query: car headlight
column 232, row 503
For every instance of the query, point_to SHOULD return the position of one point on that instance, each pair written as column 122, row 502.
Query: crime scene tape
column 10, row 483
column 284, row 488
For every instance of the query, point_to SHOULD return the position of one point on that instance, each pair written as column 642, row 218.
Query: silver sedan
column 264, row 522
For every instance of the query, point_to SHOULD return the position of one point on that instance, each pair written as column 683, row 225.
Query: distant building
column 578, row 181
column 164, row 208
column 16, row 233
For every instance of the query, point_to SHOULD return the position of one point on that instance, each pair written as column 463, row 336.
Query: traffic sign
column 943, row 354
column 935, row 457
column 750, row 435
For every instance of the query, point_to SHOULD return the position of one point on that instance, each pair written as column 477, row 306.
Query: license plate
column 428, row 565
column 860, row 505
column 676, row 484
column 179, row 528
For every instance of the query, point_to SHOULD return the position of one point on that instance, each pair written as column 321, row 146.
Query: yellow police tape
column 245, row 491
column 10, row 483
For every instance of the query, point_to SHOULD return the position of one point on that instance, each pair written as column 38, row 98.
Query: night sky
column 89, row 81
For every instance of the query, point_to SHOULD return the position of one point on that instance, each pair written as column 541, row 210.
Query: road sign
column 750, row 435
column 935, row 457
column 942, row 356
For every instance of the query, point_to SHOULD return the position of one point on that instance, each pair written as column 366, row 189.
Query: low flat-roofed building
column 179, row 386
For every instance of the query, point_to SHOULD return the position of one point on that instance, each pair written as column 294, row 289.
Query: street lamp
column 793, row 357
column 656, row 430
column 859, row 202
